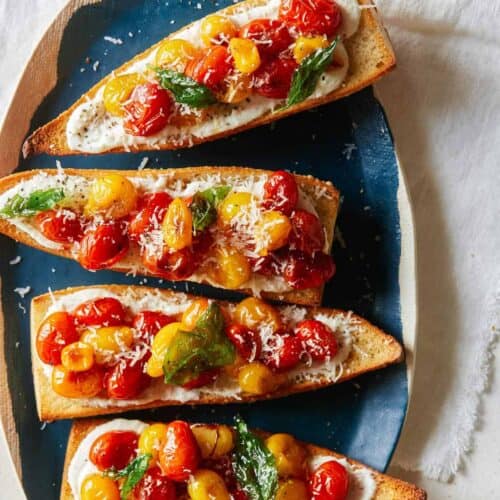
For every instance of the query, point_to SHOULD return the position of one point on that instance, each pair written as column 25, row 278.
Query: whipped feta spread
column 91, row 129
column 343, row 325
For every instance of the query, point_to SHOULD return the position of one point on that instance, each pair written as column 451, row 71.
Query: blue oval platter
column 347, row 142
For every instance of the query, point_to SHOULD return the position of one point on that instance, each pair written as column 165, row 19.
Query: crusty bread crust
column 376, row 350
column 326, row 206
column 370, row 57
column 388, row 488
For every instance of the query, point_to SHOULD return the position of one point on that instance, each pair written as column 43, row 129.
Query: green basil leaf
column 37, row 201
column 204, row 204
column 133, row 473
column 184, row 89
column 306, row 76
column 253, row 464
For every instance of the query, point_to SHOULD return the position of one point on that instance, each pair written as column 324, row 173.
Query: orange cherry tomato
column 155, row 486
column 71, row 384
column 179, row 455
column 211, row 67
column 113, row 449
column 270, row 35
column 105, row 311
column 126, row 379
column 330, row 481
column 63, row 226
column 148, row 323
column 274, row 77
column 150, row 216
column 54, row 334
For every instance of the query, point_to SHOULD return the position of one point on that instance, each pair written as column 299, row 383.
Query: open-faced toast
column 362, row 55
column 311, row 465
column 248, row 354
column 225, row 214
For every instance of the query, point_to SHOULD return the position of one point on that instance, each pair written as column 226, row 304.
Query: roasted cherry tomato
column 54, row 334
column 269, row 265
column 172, row 266
column 103, row 246
column 308, row 271
column 150, row 215
column 155, row 486
column 148, row 323
column 147, row 110
column 316, row 339
column 270, row 35
column 179, row 454
column 126, row 379
column 106, row 311
column 113, row 449
column 330, row 481
column 274, row 77
column 320, row 17
column 69, row 384
column 246, row 341
column 201, row 380
column 285, row 352
column 307, row 233
column 63, row 226
column 281, row 192
column 212, row 67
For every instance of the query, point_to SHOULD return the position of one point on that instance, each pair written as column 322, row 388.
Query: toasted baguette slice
column 321, row 194
column 371, row 349
column 370, row 57
column 385, row 487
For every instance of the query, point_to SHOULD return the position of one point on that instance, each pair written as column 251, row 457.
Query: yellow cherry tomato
column 175, row 53
column 77, row 357
column 292, row 489
column 76, row 384
column 206, row 484
column 245, row 55
column 231, row 270
column 214, row 441
column 289, row 455
column 253, row 313
column 108, row 339
column 232, row 205
column 193, row 312
column 161, row 342
column 272, row 231
column 306, row 45
column 97, row 487
column 215, row 28
column 118, row 90
column 257, row 379
column 112, row 195
column 237, row 87
column 178, row 225
column 151, row 439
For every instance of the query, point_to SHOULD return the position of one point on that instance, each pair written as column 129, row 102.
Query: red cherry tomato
column 173, row 266
column 150, row 216
column 155, row 486
column 106, row 311
column 329, row 481
column 285, row 352
column 307, row 233
column 281, row 192
column 147, row 110
column 103, row 246
column 316, row 339
column 126, row 379
column 211, row 67
column 274, row 77
column 113, row 449
column 63, row 226
column 179, row 454
column 321, row 17
column 55, row 333
column 202, row 243
column 308, row 271
column 270, row 35
column 201, row 380
column 246, row 341
column 270, row 265
column 148, row 323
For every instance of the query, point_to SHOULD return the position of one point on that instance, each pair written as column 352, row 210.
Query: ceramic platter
column 348, row 142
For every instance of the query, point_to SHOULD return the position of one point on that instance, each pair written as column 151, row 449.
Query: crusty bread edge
column 50, row 406
column 387, row 487
column 51, row 137
column 326, row 206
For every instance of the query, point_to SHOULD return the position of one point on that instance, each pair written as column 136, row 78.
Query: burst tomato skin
column 285, row 353
column 105, row 311
column 211, row 67
column 269, row 265
column 270, row 35
column 113, row 449
column 179, row 455
column 63, row 226
column 172, row 266
column 319, row 17
column 148, row 323
column 330, row 481
column 316, row 339
column 307, row 233
column 308, row 271
column 126, row 380
column 55, row 333
column 148, row 110
column 103, row 246
column 201, row 380
column 274, row 77
column 246, row 341
column 281, row 192
column 155, row 486
column 150, row 215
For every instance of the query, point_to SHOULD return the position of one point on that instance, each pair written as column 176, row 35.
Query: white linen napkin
column 443, row 103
